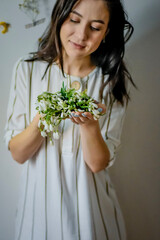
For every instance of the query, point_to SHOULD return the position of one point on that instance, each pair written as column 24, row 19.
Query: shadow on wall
column 144, row 15
column 136, row 173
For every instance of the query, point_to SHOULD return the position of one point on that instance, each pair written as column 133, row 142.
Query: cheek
column 65, row 31
column 96, row 42
column 61, row 35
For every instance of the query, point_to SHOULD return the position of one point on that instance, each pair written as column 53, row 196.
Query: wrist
column 91, row 126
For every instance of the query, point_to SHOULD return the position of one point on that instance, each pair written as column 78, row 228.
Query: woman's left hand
column 86, row 117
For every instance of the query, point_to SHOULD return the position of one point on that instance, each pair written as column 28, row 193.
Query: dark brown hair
column 108, row 56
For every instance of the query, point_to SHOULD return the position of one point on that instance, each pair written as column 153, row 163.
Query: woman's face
column 85, row 28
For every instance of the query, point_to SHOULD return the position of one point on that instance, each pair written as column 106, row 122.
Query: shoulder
column 21, row 65
column 24, row 65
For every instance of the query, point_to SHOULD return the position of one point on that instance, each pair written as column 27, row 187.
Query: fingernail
column 100, row 109
column 84, row 115
column 74, row 115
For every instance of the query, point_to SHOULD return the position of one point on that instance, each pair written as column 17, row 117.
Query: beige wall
column 14, row 44
column 136, row 171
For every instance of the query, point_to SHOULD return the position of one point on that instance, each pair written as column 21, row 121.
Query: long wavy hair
column 108, row 56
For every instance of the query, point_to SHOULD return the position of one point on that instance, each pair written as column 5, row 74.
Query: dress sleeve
column 16, row 112
column 112, row 123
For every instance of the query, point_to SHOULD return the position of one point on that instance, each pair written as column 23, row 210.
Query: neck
column 77, row 67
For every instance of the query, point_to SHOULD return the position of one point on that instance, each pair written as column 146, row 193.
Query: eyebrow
column 99, row 21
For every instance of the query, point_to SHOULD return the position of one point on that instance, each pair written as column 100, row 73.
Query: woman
column 66, row 192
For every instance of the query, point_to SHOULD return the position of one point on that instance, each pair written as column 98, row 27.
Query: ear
column 107, row 32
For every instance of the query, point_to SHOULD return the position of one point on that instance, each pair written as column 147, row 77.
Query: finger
column 101, row 108
column 75, row 117
column 81, row 118
column 88, row 115
column 73, row 120
column 84, row 119
column 96, row 102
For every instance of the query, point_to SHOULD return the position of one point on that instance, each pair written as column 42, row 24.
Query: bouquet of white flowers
column 55, row 107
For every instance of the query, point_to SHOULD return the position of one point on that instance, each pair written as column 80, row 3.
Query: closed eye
column 92, row 28
column 74, row 21
column 95, row 29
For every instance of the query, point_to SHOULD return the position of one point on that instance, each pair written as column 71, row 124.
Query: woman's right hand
column 25, row 144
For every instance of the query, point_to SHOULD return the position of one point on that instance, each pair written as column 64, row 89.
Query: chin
column 74, row 54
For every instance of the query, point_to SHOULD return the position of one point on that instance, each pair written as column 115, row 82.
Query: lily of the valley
column 56, row 135
column 54, row 107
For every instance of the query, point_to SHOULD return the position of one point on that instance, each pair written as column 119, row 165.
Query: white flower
column 56, row 135
column 95, row 118
column 52, row 119
column 57, row 122
column 46, row 126
column 52, row 107
column 61, row 104
column 43, row 115
column 62, row 114
column 43, row 105
column 79, row 97
column 51, row 141
column 43, row 134
column 40, row 108
column 51, row 128
column 60, row 100
column 95, row 112
column 94, row 105
column 80, row 110
column 53, row 104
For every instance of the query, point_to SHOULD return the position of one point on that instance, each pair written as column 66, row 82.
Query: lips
column 78, row 46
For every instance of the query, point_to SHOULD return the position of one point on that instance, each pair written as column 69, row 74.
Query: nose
column 81, row 32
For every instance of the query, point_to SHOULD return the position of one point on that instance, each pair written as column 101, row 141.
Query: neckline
column 76, row 77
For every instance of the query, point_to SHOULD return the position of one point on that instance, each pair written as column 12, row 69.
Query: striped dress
column 60, row 198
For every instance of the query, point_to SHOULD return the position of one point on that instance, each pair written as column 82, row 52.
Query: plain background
column 136, row 172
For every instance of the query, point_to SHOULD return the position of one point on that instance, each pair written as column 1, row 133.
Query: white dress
column 60, row 198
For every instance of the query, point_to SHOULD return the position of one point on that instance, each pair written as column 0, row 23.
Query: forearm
column 95, row 150
column 24, row 145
